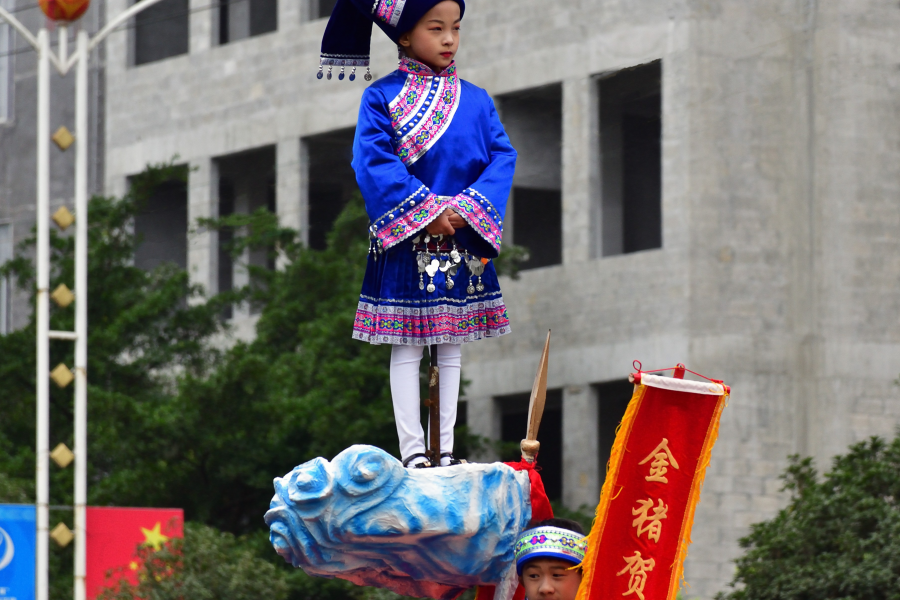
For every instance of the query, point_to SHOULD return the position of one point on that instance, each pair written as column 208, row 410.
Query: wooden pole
column 434, row 409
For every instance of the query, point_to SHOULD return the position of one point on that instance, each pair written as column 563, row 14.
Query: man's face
column 550, row 579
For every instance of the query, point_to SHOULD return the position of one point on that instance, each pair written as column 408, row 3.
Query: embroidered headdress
column 349, row 30
column 550, row 542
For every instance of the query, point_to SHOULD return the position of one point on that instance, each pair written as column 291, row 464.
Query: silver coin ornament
column 470, row 289
column 480, row 287
column 450, row 284
column 433, row 267
column 430, row 288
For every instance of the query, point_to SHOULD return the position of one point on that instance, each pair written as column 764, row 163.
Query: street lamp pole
column 43, row 314
column 81, row 284
column 63, row 63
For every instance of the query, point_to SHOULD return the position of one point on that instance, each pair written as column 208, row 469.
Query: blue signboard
column 18, row 531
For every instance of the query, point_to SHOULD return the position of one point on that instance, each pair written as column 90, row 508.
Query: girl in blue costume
column 435, row 168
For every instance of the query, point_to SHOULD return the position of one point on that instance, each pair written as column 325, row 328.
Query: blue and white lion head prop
column 423, row 532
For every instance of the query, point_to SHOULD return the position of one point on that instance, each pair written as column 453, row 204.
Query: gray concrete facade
column 780, row 216
column 18, row 123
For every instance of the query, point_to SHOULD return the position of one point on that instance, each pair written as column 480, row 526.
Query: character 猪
column 435, row 168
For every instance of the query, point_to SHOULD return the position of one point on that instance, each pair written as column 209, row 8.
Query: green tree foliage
column 301, row 388
column 144, row 327
column 206, row 565
column 210, row 564
column 839, row 538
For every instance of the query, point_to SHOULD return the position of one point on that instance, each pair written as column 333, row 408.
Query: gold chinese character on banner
column 637, row 569
column 647, row 523
column 662, row 458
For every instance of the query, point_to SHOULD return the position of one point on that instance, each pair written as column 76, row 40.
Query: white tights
column 405, row 391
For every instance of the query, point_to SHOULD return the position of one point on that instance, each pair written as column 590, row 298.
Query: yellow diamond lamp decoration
column 62, row 375
column 63, row 217
column 63, row 138
column 62, row 295
column 62, row 535
column 62, row 456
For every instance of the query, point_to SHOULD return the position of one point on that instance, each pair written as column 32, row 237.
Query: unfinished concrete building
column 713, row 183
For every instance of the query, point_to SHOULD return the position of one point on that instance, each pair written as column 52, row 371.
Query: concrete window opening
column 533, row 121
column 6, row 253
column 514, row 425
column 6, row 75
column 321, row 9
column 161, row 31
column 631, row 159
column 612, row 399
column 332, row 182
column 240, row 19
column 161, row 226
column 246, row 184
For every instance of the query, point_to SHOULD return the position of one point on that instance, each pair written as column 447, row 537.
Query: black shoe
column 420, row 465
column 453, row 460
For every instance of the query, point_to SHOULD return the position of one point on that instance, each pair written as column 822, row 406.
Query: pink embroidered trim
column 425, row 127
column 414, row 67
column 404, row 223
column 409, row 101
column 423, row 109
column 431, row 325
column 389, row 11
column 481, row 215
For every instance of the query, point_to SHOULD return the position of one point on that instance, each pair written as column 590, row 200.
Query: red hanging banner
column 640, row 536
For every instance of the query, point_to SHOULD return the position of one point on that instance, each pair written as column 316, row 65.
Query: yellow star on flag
column 154, row 537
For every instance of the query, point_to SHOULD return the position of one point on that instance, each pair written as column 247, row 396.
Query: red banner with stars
column 640, row 537
column 114, row 535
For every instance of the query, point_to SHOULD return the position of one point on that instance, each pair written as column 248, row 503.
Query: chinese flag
column 643, row 527
column 113, row 537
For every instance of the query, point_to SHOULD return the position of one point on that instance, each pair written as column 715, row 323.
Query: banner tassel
column 705, row 459
column 606, row 493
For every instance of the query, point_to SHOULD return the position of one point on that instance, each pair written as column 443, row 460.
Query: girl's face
column 550, row 579
column 435, row 38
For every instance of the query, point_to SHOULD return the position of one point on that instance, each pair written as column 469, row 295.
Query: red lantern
column 64, row 10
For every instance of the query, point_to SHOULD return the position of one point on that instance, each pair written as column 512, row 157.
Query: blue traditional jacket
column 424, row 142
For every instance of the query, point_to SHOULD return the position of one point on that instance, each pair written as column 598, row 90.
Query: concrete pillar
column 243, row 204
column 483, row 420
column 238, row 21
column 581, row 468
column 580, row 168
column 303, row 187
column 203, row 23
column 203, row 244
column 289, row 191
column 289, row 14
column 119, row 48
